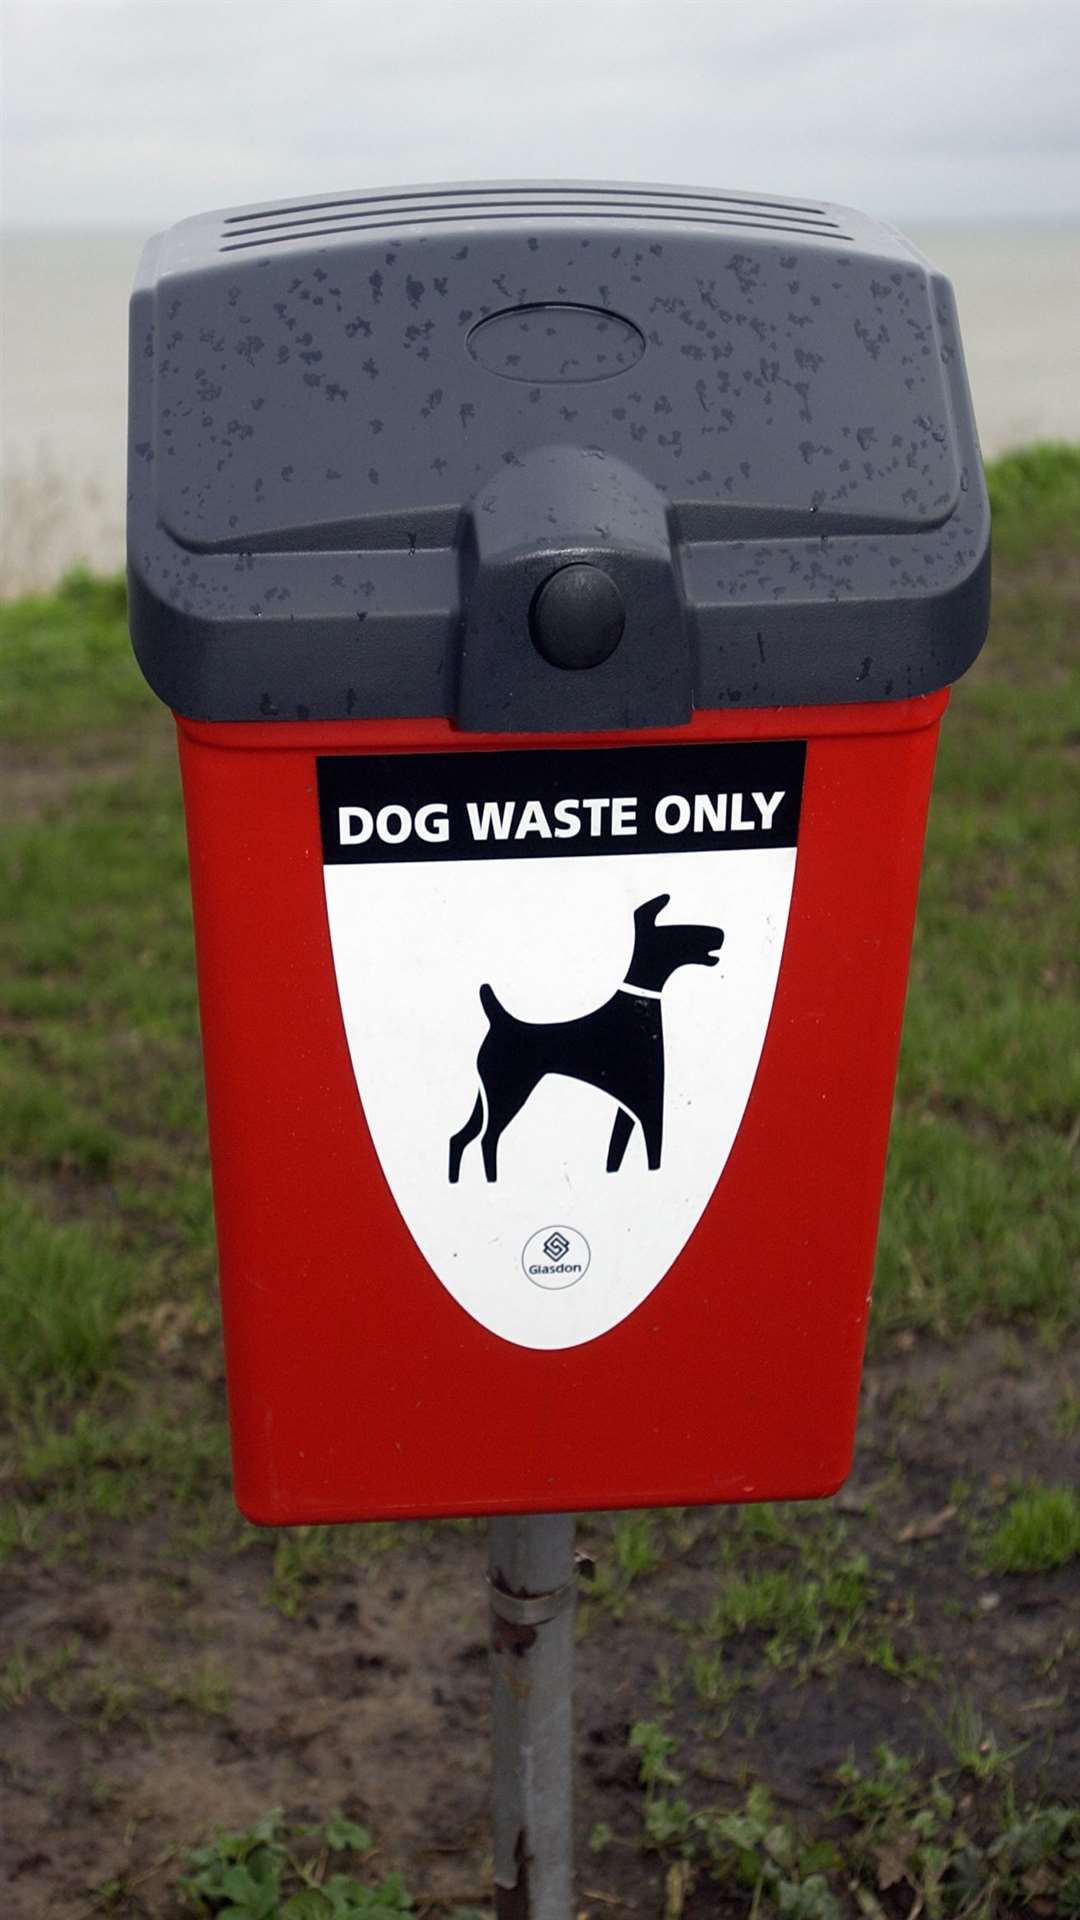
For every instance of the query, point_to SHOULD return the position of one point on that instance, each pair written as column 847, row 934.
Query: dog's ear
column 650, row 908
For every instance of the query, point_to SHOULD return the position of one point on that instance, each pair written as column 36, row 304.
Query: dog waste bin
column 557, row 589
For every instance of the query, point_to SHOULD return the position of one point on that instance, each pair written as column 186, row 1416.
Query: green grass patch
column 74, row 1470
column 792, row 1594
column 1034, row 498
column 779, row 1602
column 27, row 1675
column 1038, row 1531
column 982, row 1209
column 102, row 1122
column 102, row 1694
column 62, row 1292
column 117, row 1464
column 628, row 1550
column 305, row 1555
column 67, row 664
column 978, row 1226
column 788, row 1592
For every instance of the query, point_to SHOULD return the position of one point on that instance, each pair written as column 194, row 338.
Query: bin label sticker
column 556, row 970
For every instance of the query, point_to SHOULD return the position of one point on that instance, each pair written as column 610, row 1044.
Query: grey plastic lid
column 366, row 430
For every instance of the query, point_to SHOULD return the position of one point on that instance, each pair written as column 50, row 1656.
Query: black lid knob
column 577, row 616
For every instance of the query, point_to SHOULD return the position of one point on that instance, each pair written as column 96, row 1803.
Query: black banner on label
column 541, row 803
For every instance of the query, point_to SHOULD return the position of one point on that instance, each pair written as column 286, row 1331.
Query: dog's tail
column 492, row 1007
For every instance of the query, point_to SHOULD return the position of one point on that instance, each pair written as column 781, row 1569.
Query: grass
column 112, row 1465
column 1039, row 1530
column 788, row 1608
column 105, row 1217
column 25, row 1675
column 67, row 664
column 101, row 1693
column 305, row 1555
column 630, row 1552
column 982, row 1216
column 62, row 1292
column 1035, row 498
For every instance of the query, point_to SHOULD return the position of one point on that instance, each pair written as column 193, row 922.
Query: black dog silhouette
column 618, row 1048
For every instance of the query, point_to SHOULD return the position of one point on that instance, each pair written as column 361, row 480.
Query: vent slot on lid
column 481, row 198
column 238, row 239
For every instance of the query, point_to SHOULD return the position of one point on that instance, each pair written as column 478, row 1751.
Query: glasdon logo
column 556, row 1257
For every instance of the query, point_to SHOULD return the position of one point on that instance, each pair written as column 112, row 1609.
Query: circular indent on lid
column 553, row 343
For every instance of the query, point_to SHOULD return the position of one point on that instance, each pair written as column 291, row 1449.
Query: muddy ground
column 373, row 1695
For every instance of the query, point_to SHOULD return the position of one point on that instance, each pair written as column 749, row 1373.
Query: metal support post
column 532, row 1583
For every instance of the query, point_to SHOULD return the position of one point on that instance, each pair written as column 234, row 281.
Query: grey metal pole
column 532, row 1582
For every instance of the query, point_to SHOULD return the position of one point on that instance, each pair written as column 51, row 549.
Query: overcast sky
column 137, row 112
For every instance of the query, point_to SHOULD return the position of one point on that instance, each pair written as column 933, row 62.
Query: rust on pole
column 532, row 1584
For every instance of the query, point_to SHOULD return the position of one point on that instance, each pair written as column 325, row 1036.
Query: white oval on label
column 556, row 1257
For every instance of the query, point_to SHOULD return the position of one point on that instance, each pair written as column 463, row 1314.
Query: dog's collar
column 640, row 993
